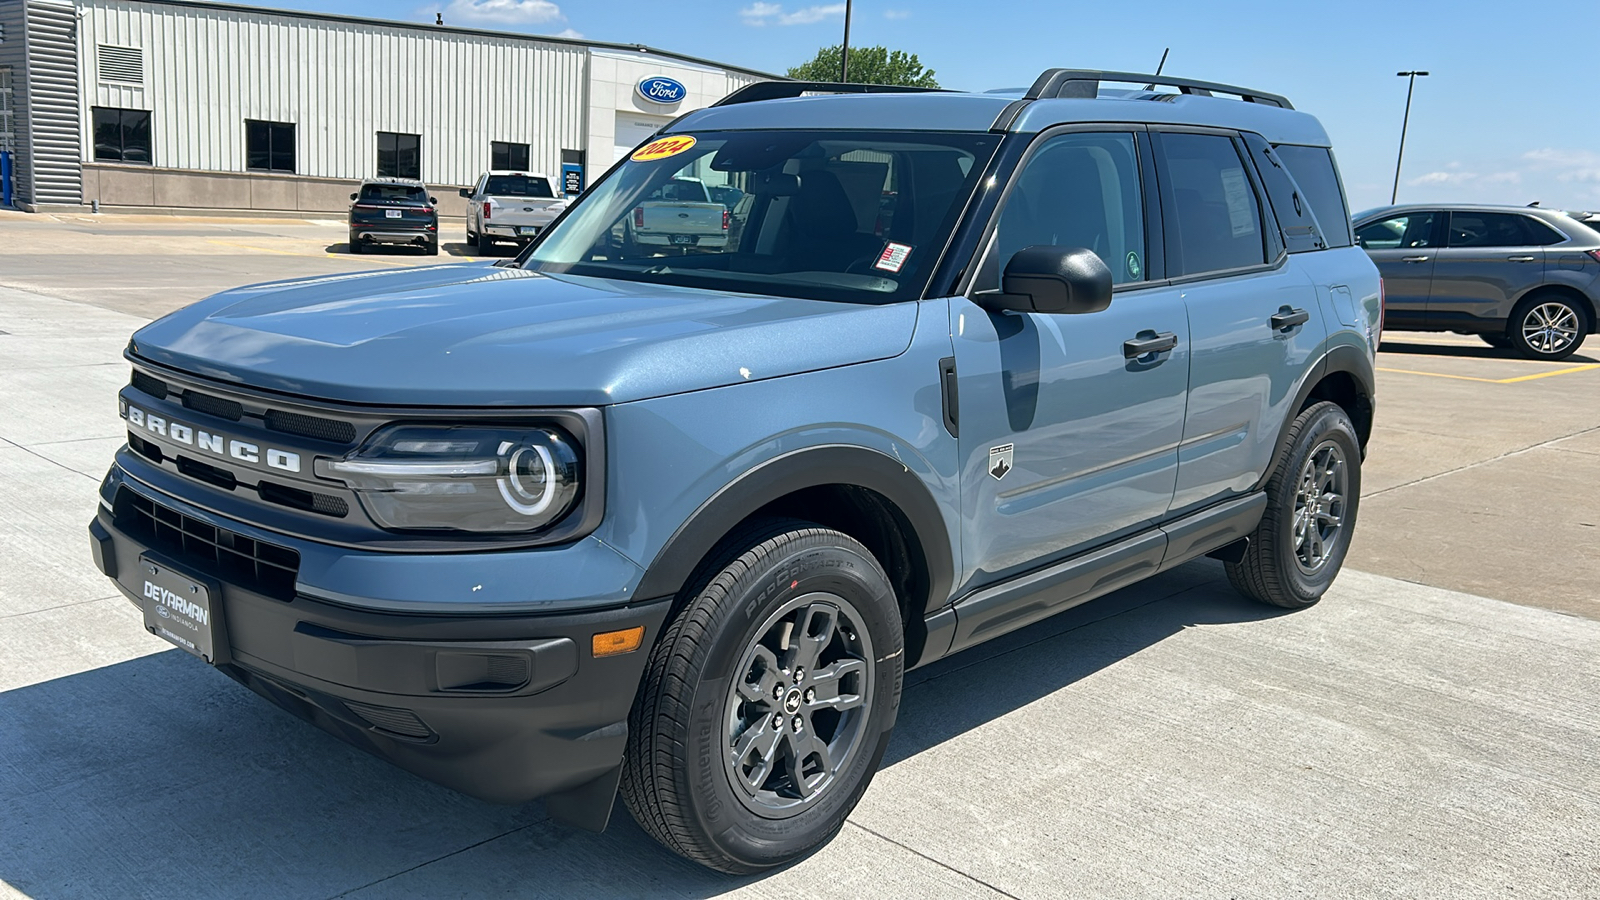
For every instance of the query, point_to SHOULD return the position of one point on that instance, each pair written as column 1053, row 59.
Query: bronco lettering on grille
column 220, row 445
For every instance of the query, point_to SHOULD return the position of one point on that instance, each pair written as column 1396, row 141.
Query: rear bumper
column 524, row 232
column 717, row 241
column 505, row 708
column 390, row 235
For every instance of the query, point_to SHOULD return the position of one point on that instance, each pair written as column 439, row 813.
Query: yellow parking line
column 1566, row 371
column 351, row 257
column 253, row 247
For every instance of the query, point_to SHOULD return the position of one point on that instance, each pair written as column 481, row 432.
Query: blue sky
column 1508, row 114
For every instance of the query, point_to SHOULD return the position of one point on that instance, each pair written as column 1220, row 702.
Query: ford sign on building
column 660, row 89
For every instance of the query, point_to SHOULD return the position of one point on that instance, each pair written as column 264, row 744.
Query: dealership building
column 158, row 106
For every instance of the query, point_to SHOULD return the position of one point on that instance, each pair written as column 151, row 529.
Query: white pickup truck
column 680, row 214
column 509, row 206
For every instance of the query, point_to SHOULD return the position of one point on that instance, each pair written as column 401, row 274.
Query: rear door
column 1490, row 260
column 1404, row 247
column 1255, row 322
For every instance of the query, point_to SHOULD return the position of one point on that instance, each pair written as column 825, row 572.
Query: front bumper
column 506, row 708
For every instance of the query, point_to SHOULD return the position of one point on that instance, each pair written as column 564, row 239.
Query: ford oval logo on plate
column 659, row 89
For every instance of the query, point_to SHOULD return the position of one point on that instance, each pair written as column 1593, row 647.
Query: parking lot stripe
column 1440, row 375
column 1567, row 371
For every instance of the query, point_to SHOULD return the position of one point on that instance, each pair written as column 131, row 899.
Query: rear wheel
column 1548, row 326
column 432, row 248
column 768, row 702
column 355, row 245
column 1298, row 548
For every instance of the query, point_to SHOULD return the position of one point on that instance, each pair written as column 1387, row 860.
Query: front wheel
column 1300, row 544
column 768, row 702
column 1547, row 327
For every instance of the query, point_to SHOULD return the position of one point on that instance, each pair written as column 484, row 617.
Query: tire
column 472, row 240
column 725, row 674
column 432, row 249
column 1548, row 326
column 1497, row 341
column 355, row 246
column 1286, row 564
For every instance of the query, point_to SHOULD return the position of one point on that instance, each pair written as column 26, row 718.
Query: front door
column 1404, row 247
column 1489, row 260
column 1066, row 441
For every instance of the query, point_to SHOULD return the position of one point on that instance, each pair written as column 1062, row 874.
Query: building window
column 508, row 157
column 268, row 146
column 399, row 155
column 121, row 135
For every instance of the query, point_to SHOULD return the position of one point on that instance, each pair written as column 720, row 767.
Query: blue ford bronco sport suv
column 675, row 520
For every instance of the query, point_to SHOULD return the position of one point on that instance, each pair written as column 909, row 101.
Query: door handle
column 1147, row 343
column 1520, row 258
column 1415, row 258
column 1288, row 318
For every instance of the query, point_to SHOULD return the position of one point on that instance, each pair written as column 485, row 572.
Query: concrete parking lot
column 1429, row 730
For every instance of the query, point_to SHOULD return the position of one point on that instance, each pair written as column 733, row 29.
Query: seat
column 824, row 226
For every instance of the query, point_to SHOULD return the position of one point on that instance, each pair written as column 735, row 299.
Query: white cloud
column 1459, row 176
column 1567, row 165
column 897, row 14
column 759, row 14
column 502, row 12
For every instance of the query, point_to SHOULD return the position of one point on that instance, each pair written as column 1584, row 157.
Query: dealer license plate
column 180, row 609
column 527, row 230
column 684, row 239
column 392, row 213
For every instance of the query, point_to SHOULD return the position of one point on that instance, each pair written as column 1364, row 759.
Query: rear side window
column 1486, row 229
column 1540, row 234
column 1314, row 172
column 1212, row 213
column 1289, row 204
column 1406, row 232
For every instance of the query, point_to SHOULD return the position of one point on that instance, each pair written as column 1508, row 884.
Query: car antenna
column 1534, row 203
column 1159, row 67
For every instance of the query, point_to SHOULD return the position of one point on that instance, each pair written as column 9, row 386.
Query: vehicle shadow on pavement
column 1468, row 351
column 161, row 777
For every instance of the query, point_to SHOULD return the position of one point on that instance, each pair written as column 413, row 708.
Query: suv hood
column 478, row 335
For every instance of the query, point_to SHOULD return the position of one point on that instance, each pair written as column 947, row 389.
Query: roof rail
column 782, row 90
column 1085, row 84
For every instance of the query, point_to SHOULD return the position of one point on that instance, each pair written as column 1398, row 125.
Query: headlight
column 496, row 479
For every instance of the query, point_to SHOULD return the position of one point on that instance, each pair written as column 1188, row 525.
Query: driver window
column 1078, row 190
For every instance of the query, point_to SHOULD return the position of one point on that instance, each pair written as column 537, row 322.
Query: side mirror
column 1047, row 279
column 354, row 196
column 434, row 201
column 465, row 192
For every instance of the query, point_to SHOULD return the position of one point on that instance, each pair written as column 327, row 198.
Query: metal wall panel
column 53, row 124
column 208, row 70
column 13, row 56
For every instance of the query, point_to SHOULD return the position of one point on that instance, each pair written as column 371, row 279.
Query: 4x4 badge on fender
column 1000, row 461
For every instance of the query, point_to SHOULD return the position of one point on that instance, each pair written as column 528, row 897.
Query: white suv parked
column 509, row 206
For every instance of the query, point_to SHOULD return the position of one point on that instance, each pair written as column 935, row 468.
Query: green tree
column 868, row 65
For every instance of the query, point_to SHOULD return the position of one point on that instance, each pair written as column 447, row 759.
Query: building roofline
column 454, row 30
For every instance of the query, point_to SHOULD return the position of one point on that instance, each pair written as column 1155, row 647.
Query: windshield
column 518, row 186
column 404, row 193
column 853, row 216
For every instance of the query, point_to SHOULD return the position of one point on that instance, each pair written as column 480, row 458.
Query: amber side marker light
column 616, row 643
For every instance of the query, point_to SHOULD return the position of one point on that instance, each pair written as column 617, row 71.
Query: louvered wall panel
column 13, row 55
column 53, row 126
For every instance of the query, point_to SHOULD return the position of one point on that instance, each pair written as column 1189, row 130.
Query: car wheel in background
column 472, row 240
column 1548, row 326
column 432, row 248
column 768, row 701
column 355, row 245
column 1297, row 550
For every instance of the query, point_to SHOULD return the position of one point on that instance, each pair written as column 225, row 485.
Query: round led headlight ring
column 529, row 483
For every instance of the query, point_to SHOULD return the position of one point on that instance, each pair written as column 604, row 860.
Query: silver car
column 1518, row 277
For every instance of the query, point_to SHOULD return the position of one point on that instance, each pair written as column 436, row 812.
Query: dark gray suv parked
column 1518, row 277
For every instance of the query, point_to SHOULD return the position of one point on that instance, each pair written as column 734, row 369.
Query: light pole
column 844, row 49
column 1410, row 86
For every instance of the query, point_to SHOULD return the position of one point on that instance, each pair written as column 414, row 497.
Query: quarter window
column 1289, row 204
column 505, row 156
column 1483, row 229
column 121, row 135
column 1407, row 232
column 1213, row 218
column 1539, row 234
column 268, row 146
column 399, row 155
column 1076, row 191
column 1313, row 170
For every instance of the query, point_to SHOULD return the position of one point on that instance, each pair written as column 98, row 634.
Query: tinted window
column 1289, row 204
column 1482, row 229
column 1406, row 232
column 810, row 219
column 1318, row 178
column 1077, row 190
column 399, row 155
column 394, row 193
column 268, row 146
column 503, row 155
column 517, row 186
column 1213, row 217
column 121, row 135
column 1539, row 234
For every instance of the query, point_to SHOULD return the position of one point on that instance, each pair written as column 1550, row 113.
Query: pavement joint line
column 923, row 856
column 30, row 452
column 457, row 852
column 1473, row 465
column 34, row 612
column 1567, row 371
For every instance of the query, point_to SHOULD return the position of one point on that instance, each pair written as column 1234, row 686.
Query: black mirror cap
column 1061, row 280
column 354, row 196
column 434, row 200
column 466, row 192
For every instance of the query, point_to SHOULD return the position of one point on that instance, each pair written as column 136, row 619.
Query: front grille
column 155, row 387
column 266, row 568
column 231, row 410
column 210, row 474
column 402, row 722
column 145, row 448
column 311, row 426
column 283, row 495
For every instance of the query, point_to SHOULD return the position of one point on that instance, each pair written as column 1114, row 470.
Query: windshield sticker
column 1133, row 265
column 1236, row 190
column 667, row 146
column 893, row 257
